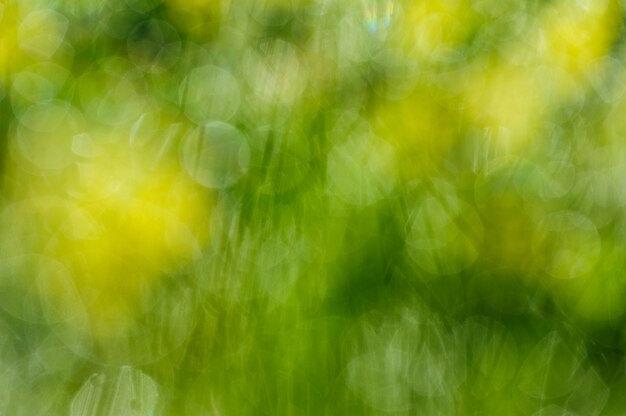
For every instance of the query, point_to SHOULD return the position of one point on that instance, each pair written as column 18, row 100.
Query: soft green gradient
column 312, row 207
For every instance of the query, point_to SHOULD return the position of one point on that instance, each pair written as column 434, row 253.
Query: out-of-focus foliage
column 309, row 207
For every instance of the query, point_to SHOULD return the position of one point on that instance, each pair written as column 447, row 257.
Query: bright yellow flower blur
column 118, row 219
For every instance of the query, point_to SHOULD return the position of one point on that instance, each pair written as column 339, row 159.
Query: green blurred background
column 312, row 207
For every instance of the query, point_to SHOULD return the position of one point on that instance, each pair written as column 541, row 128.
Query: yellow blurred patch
column 421, row 127
column 119, row 223
column 434, row 27
column 505, row 100
column 199, row 18
column 576, row 35
column 28, row 35
column 9, row 51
